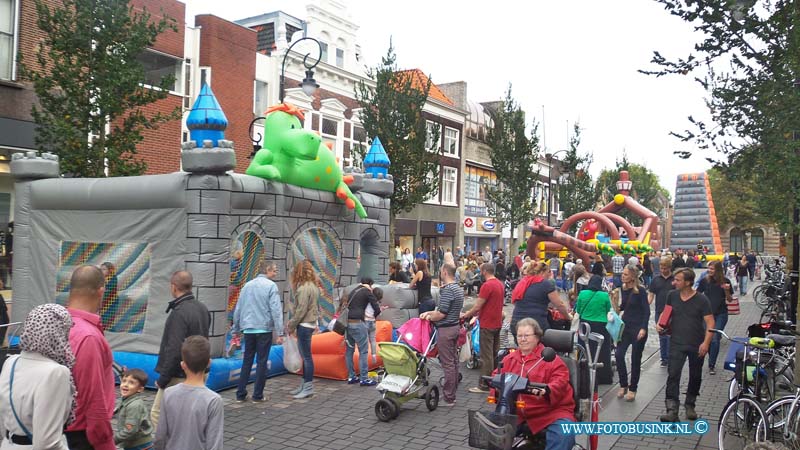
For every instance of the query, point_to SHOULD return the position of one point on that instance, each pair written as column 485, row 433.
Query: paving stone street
column 342, row 416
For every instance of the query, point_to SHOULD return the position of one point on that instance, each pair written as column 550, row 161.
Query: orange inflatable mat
column 328, row 352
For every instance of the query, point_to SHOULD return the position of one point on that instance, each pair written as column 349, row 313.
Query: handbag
column 733, row 306
column 557, row 320
column 340, row 318
column 11, row 400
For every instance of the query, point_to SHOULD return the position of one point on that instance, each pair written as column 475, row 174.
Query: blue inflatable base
column 223, row 374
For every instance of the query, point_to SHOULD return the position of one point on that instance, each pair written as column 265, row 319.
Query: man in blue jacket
column 259, row 316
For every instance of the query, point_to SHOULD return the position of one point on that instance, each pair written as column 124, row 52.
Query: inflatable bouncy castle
column 294, row 203
column 601, row 231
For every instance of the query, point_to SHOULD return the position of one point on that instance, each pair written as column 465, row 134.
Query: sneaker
column 712, row 371
column 369, row 382
column 664, row 364
column 352, row 380
column 478, row 390
column 241, row 400
column 446, row 403
column 258, row 400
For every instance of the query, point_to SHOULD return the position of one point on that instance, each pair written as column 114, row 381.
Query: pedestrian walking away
column 446, row 320
column 690, row 321
column 303, row 324
column 357, row 333
column 489, row 310
column 592, row 306
column 631, row 300
column 259, row 316
column 186, row 317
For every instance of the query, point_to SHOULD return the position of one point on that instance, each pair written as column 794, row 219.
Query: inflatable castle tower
column 694, row 220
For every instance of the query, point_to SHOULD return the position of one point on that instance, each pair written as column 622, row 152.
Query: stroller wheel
column 385, row 410
column 432, row 398
column 470, row 364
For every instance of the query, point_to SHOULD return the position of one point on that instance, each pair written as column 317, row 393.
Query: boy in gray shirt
column 192, row 416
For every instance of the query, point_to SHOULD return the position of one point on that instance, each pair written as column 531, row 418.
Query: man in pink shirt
column 94, row 378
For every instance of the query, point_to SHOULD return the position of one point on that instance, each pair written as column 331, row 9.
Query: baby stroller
column 406, row 372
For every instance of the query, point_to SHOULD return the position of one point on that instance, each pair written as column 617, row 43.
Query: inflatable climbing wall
column 694, row 219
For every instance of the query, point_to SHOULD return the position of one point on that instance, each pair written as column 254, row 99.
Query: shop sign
column 468, row 222
column 440, row 228
column 488, row 225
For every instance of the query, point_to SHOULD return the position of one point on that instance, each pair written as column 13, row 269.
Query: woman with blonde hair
column 303, row 324
column 539, row 292
column 631, row 299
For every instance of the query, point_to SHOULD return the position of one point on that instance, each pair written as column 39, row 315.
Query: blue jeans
column 556, row 439
column 743, row 285
column 357, row 335
column 254, row 343
column 304, row 345
column 663, row 343
column 617, row 280
column 720, row 320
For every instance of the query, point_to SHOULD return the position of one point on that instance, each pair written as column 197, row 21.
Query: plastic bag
column 291, row 355
column 465, row 354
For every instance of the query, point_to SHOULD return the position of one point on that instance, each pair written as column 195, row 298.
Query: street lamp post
column 309, row 85
column 550, row 157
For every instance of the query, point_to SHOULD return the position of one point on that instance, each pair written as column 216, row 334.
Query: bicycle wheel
column 760, row 297
column 791, row 431
column 742, row 422
column 777, row 412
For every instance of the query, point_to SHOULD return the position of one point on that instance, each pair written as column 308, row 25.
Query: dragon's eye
column 293, row 126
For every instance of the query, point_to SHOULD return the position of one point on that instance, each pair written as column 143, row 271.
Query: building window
column 8, row 18
column 205, row 76
column 260, row 103
column 737, row 240
column 431, row 128
column 757, row 240
column 339, row 57
column 450, row 141
column 157, row 66
column 476, row 191
column 430, row 179
column 449, row 185
column 324, row 54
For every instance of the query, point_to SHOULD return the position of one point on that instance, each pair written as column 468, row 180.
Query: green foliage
column 92, row 85
column 576, row 191
column 735, row 199
column 514, row 156
column 749, row 64
column 646, row 187
column 392, row 111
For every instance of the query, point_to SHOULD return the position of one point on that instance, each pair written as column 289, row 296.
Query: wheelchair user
column 542, row 412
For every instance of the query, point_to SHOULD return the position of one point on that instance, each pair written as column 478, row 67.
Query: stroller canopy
column 398, row 359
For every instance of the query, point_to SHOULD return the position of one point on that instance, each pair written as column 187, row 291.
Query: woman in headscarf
column 592, row 306
column 37, row 393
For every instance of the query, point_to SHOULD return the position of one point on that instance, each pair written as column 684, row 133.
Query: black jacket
column 188, row 317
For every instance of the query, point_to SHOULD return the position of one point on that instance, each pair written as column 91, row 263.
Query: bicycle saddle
column 781, row 340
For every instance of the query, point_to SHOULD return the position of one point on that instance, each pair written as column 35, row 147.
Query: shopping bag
column 291, row 355
column 733, row 306
column 465, row 354
column 615, row 326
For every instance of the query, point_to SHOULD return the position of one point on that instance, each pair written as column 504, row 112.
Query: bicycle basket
column 491, row 431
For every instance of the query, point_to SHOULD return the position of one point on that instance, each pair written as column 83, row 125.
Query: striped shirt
column 451, row 301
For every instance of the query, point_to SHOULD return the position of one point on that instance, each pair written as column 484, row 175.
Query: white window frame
column 179, row 79
column 434, row 198
column 339, row 63
column 323, row 56
column 455, row 142
column 14, row 40
column 255, row 96
column 452, row 198
column 207, row 71
column 429, row 124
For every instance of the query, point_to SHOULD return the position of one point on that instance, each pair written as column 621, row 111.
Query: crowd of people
column 66, row 362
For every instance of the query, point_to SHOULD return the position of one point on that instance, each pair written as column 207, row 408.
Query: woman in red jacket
column 542, row 412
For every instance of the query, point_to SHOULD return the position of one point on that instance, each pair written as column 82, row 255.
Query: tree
column 646, row 187
column 514, row 156
column 392, row 110
column 735, row 200
column 576, row 191
column 90, row 85
column 749, row 59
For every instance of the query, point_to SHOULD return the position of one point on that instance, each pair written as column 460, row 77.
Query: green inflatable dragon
column 296, row 156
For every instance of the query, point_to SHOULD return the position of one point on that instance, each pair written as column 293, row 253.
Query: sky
column 567, row 61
